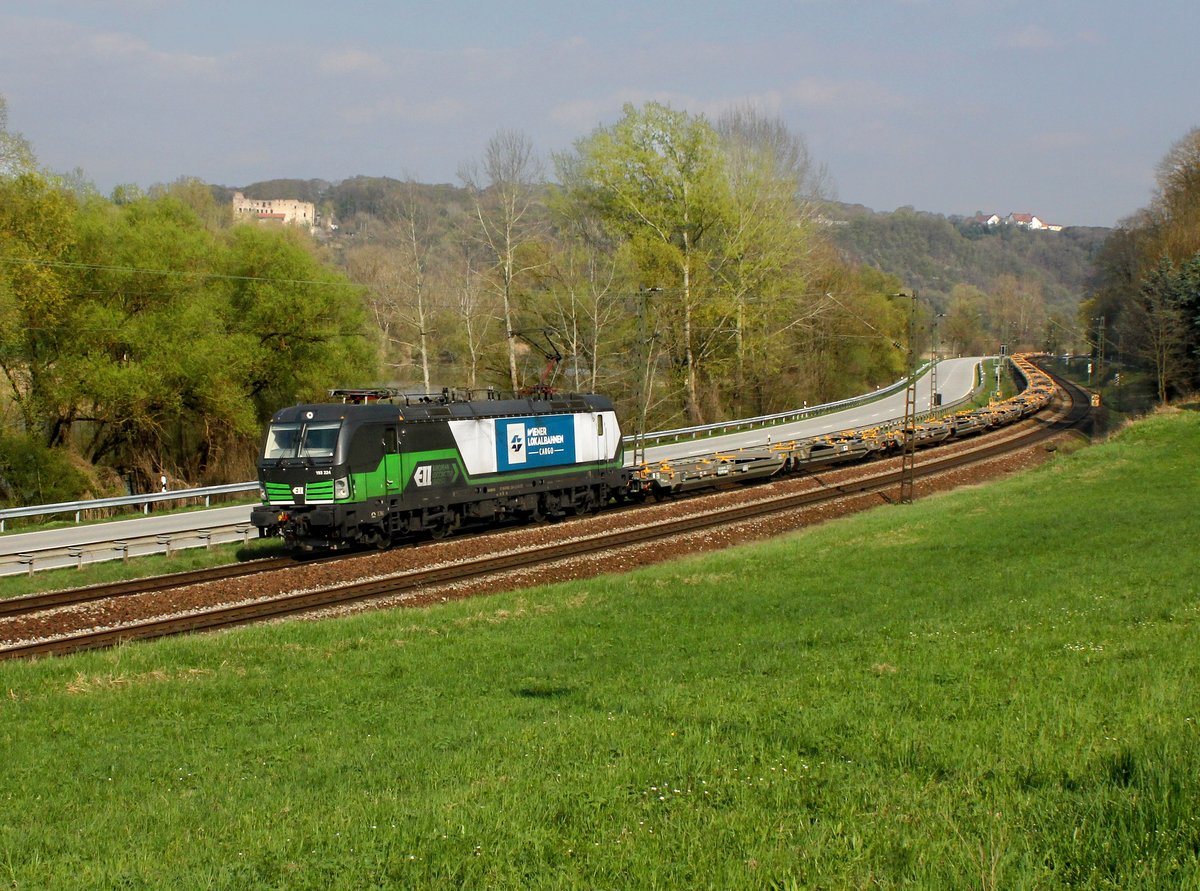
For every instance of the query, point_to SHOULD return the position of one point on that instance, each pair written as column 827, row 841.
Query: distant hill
column 929, row 252
column 353, row 202
column 932, row 253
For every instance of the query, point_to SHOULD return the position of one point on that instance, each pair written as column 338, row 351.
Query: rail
column 124, row 501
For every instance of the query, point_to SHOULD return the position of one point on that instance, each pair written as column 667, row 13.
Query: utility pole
column 908, row 461
column 643, row 372
column 935, row 398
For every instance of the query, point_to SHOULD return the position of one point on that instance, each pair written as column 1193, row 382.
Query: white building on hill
column 1022, row 220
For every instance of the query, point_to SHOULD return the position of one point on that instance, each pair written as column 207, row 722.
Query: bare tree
column 503, row 197
column 415, row 256
column 587, row 289
column 16, row 155
column 472, row 307
column 1156, row 327
column 400, row 265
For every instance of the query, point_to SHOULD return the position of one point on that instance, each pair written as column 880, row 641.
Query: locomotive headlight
column 262, row 494
column 341, row 487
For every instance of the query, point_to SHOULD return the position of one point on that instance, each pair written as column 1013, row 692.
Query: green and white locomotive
column 379, row 466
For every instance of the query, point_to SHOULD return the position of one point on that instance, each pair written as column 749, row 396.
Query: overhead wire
column 62, row 264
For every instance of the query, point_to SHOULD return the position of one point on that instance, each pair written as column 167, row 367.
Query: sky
column 1062, row 108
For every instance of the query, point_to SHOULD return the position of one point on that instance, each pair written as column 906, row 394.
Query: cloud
column 1034, row 38
column 349, row 60
column 119, row 48
column 583, row 115
column 810, row 93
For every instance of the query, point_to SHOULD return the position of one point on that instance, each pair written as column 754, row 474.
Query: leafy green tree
column 143, row 338
column 658, row 178
column 299, row 325
column 140, row 296
column 36, row 309
column 33, row 473
column 773, row 257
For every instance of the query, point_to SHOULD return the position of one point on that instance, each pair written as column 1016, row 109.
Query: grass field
column 996, row 688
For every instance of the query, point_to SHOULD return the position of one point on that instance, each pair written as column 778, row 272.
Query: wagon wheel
column 592, row 502
column 536, row 515
column 450, row 521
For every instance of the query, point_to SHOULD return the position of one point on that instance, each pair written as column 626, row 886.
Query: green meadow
column 993, row 688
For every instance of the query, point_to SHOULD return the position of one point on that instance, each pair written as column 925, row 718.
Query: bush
column 32, row 473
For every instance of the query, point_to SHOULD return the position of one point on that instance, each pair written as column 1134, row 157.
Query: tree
column 502, row 197
column 399, row 267
column 472, row 307
column 658, row 178
column 33, row 473
column 582, row 297
column 1144, row 284
column 1157, row 329
column 16, row 154
column 138, row 336
column 37, row 233
column 138, row 400
column 961, row 328
column 1176, row 205
column 300, row 325
column 772, row 244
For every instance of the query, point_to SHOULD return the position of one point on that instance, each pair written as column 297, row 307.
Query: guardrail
column 78, row 508
column 783, row 417
column 58, row 556
column 143, row 501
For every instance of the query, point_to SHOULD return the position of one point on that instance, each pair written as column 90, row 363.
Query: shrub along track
column 105, row 616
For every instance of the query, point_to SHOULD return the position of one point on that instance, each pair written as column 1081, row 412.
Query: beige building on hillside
column 284, row 210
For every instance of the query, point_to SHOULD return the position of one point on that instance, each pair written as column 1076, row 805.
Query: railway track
column 406, row 584
column 19, row 606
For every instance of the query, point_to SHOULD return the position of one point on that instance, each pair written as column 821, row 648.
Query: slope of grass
column 993, row 688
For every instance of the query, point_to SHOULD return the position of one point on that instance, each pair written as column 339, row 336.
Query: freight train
column 379, row 466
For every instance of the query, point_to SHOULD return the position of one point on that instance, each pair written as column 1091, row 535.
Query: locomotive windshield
column 312, row 440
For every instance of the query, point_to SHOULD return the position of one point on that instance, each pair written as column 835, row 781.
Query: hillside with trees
column 1144, row 312
column 992, row 283
column 984, row 285
column 694, row 270
column 674, row 263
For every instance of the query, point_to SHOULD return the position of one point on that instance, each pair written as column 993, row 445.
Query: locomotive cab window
column 319, row 440
column 281, row 441
column 301, row 441
column 599, row 425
